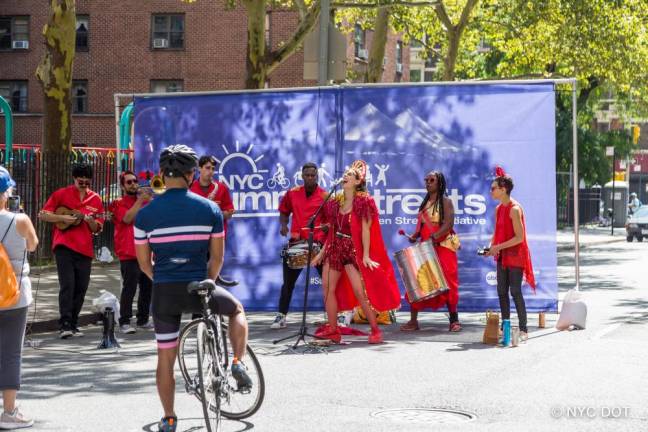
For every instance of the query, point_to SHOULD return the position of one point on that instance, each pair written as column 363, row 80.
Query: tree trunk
column 450, row 60
column 55, row 75
column 255, row 65
column 377, row 54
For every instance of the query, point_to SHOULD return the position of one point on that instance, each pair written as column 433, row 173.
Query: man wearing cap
column 634, row 204
column 72, row 245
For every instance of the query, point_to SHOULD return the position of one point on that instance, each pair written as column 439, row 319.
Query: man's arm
column 216, row 253
column 143, row 252
column 129, row 216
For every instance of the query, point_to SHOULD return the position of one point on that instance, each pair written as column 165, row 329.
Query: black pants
column 511, row 278
column 290, row 277
column 12, row 333
column 131, row 277
column 74, row 277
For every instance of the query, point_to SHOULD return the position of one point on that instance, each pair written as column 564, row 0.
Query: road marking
column 607, row 330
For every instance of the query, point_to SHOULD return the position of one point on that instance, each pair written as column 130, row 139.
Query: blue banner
column 262, row 139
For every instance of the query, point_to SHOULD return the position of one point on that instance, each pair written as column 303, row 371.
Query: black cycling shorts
column 171, row 300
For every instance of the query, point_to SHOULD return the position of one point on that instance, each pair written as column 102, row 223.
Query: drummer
column 435, row 222
column 301, row 202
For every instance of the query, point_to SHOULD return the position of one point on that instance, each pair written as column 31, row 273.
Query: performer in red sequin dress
column 436, row 221
column 357, row 269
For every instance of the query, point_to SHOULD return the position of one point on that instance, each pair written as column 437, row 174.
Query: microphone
column 337, row 181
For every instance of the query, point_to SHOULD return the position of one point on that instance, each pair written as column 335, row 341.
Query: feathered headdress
column 360, row 167
column 499, row 171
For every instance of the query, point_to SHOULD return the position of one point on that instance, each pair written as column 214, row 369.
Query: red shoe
column 455, row 327
column 376, row 336
column 332, row 334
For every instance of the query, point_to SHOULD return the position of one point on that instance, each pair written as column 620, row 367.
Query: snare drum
column 421, row 271
column 296, row 254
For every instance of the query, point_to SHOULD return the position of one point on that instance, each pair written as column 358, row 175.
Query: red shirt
column 79, row 237
column 124, row 237
column 222, row 196
column 303, row 208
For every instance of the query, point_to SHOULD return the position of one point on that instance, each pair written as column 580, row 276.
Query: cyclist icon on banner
column 278, row 178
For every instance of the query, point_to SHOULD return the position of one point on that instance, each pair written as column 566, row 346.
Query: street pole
column 575, row 184
column 613, row 183
column 325, row 15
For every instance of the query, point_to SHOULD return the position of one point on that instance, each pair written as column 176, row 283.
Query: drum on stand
column 421, row 271
column 296, row 254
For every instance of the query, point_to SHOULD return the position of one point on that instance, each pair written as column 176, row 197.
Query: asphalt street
column 593, row 379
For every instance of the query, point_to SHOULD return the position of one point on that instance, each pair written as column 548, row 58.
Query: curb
column 570, row 246
column 34, row 327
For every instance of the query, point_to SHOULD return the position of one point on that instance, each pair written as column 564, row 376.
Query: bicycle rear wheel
column 241, row 405
column 207, row 381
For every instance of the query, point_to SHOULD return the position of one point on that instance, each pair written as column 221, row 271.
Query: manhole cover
column 425, row 415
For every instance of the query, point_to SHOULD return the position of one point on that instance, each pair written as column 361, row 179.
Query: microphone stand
column 303, row 329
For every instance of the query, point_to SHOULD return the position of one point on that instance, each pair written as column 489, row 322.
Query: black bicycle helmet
column 177, row 160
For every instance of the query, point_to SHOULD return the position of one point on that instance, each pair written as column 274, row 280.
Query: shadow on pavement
column 193, row 424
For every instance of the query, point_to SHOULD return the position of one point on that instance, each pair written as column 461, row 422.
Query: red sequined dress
column 380, row 283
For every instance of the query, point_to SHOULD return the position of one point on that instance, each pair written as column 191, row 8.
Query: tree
column 55, row 75
column 379, row 42
column 259, row 63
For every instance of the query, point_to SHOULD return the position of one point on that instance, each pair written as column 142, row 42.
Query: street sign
column 609, row 151
column 337, row 48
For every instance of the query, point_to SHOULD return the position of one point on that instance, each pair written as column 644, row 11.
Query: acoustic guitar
column 78, row 215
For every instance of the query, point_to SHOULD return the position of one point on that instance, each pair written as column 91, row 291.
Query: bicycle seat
column 226, row 282
column 207, row 285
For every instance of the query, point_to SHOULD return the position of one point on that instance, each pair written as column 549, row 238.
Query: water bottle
column 506, row 330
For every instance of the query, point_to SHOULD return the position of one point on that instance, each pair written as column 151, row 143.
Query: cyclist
column 180, row 228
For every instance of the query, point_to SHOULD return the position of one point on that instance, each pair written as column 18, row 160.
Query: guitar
column 78, row 215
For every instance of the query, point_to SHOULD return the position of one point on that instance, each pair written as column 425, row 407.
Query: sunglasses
column 83, row 182
column 129, row 182
column 429, row 179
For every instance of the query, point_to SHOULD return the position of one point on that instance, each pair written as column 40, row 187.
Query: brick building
column 153, row 46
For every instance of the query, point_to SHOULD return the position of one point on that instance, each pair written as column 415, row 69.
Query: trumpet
column 156, row 186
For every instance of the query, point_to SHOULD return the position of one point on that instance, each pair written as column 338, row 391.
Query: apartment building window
column 82, row 33
column 80, row 96
column 14, row 33
column 166, row 86
column 399, row 57
column 360, row 40
column 415, row 75
column 15, row 93
column 168, row 32
column 268, row 34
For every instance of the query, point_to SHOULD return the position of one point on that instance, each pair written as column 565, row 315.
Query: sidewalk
column 43, row 313
column 588, row 236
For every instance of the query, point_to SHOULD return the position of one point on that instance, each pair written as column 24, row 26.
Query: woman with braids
column 357, row 269
column 510, row 249
column 435, row 222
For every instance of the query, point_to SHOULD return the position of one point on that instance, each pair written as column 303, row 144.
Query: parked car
column 637, row 224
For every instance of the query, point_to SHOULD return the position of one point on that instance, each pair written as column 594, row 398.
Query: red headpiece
column 360, row 167
column 499, row 171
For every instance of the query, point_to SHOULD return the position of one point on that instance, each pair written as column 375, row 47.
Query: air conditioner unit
column 160, row 43
column 399, row 67
column 20, row 44
column 363, row 53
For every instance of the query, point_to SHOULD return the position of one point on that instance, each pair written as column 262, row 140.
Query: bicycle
column 274, row 182
column 204, row 360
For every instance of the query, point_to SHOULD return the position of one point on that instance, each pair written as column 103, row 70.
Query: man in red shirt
column 216, row 191
column 124, row 211
column 302, row 202
column 72, row 245
column 211, row 189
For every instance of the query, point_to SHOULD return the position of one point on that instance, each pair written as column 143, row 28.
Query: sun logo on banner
column 238, row 154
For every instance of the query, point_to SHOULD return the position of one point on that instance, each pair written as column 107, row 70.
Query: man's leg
column 167, row 330
column 65, row 270
column 130, row 273
column 144, row 298
column 82, row 269
column 290, row 277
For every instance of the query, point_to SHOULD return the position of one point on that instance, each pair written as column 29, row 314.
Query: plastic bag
column 574, row 311
column 106, row 300
column 105, row 256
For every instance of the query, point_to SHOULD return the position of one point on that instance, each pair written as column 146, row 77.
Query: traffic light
column 636, row 132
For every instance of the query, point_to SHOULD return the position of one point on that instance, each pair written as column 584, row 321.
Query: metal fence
column 589, row 202
column 38, row 174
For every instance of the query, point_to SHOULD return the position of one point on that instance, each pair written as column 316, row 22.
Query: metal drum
column 421, row 271
column 296, row 254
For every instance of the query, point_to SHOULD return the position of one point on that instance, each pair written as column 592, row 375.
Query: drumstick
column 315, row 227
column 403, row 233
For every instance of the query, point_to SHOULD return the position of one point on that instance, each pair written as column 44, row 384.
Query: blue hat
column 6, row 181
